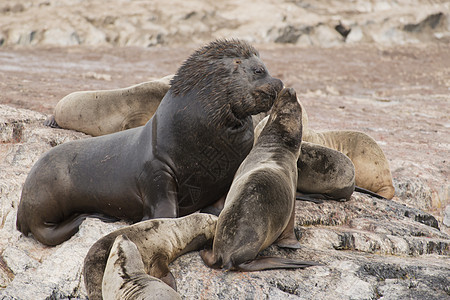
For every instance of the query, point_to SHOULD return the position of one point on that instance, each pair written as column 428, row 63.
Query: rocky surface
column 368, row 81
column 149, row 23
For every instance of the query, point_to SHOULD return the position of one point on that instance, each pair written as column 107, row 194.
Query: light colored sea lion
column 184, row 159
column 259, row 208
column 108, row 111
column 159, row 241
column 125, row 277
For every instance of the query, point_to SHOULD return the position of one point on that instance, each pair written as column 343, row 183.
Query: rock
column 430, row 22
column 446, row 220
column 355, row 35
column 369, row 247
column 196, row 22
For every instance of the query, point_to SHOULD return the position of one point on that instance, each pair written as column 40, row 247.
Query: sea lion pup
column 182, row 160
column 372, row 174
column 324, row 173
column 259, row 208
column 159, row 241
column 125, row 278
column 372, row 170
column 108, row 111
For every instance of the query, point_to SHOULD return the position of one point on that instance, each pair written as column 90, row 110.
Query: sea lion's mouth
column 264, row 99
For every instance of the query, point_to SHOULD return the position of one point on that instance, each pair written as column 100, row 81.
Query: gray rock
column 446, row 220
column 370, row 248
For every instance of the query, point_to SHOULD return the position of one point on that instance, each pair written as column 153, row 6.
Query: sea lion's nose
column 278, row 84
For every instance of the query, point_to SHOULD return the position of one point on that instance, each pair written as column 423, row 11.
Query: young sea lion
column 125, row 277
column 372, row 170
column 159, row 241
column 259, row 208
column 182, row 160
column 368, row 171
column 104, row 112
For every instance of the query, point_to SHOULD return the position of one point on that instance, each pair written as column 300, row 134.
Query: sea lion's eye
column 258, row 71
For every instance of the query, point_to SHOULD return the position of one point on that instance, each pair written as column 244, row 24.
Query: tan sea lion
column 259, row 208
column 184, row 159
column 159, row 241
column 108, row 111
column 125, row 278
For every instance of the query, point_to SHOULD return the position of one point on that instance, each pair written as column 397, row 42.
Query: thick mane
column 204, row 66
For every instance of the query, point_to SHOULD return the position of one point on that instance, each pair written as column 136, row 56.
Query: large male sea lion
column 108, row 111
column 259, row 208
column 159, row 241
column 125, row 277
column 182, row 160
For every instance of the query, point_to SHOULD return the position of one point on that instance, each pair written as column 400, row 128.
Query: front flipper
column 365, row 191
column 318, row 198
column 287, row 238
column 269, row 262
column 160, row 199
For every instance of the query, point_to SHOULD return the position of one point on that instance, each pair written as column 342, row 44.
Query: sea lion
column 159, row 241
column 182, row 160
column 259, row 208
column 125, row 277
column 108, row 111
column 324, row 173
column 371, row 168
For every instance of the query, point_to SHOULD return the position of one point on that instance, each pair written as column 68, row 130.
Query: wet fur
column 259, row 208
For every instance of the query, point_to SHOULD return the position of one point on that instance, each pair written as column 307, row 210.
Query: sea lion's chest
column 203, row 155
column 210, row 169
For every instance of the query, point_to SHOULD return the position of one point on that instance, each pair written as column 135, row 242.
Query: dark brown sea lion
column 125, row 277
column 182, row 160
column 104, row 112
column 159, row 242
column 259, row 208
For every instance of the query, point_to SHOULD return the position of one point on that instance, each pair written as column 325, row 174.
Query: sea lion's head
column 285, row 121
column 229, row 79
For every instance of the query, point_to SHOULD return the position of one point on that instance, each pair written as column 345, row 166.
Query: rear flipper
column 53, row 234
column 269, row 262
column 51, row 122
column 373, row 194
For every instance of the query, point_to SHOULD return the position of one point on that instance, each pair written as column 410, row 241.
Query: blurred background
column 178, row 22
